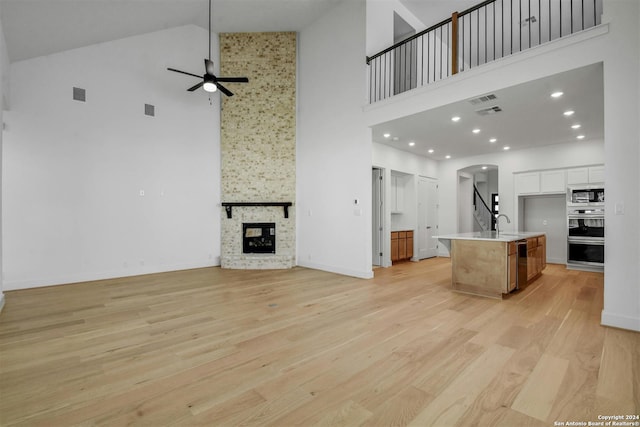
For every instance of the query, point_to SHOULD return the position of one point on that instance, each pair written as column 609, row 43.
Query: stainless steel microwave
column 585, row 196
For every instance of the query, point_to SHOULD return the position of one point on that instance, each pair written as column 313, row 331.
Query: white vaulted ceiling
column 39, row 27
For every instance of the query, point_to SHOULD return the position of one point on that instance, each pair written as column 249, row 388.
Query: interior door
column 377, row 216
column 427, row 217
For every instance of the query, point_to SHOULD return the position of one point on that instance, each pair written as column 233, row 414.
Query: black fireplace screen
column 259, row 238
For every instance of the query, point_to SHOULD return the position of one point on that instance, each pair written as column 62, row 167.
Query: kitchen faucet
column 498, row 223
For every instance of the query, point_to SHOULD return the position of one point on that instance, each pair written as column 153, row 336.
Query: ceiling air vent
column 483, row 98
column 489, row 111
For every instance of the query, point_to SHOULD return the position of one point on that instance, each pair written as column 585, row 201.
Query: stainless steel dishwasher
column 522, row 263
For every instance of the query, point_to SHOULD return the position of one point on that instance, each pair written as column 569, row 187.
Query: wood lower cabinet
column 490, row 267
column 401, row 245
column 512, row 266
column 536, row 256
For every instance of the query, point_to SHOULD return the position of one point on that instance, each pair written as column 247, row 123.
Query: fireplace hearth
column 259, row 238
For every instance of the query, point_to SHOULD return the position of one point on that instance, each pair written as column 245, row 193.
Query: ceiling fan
column 211, row 83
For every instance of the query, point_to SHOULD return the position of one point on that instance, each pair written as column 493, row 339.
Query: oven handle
column 586, row 241
column 583, row 216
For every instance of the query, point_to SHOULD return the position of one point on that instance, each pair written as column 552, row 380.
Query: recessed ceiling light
column 455, row 119
column 447, row 156
column 430, row 150
column 387, row 135
column 411, row 144
column 506, row 147
column 580, row 137
column 395, row 138
column 476, row 130
column 484, row 168
column 576, row 126
column 557, row 94
column 492, row 140
column 569, row 113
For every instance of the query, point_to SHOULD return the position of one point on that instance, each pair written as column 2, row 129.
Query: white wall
column 402, row 161
column 333, row 147
column 548, row 214
column 379, row 23
column 4, row 104
column 74, row 171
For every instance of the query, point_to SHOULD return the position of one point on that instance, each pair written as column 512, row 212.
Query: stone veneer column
column 258, row 143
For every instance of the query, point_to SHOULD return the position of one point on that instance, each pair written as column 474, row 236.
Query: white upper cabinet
column 596, row 174
column 587, row 175
column 527, row 183
column 543, row 182
column 553, row 181
column 578, row 176
column 397, row 194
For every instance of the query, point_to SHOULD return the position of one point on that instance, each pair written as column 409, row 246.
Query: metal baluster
column 529, row 24
column 462, row 65
column 571, row 16
column 422, row 60
column 520, row 24
column 478, row 37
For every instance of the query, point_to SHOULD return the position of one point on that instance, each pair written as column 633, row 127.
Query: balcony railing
column 483, row 33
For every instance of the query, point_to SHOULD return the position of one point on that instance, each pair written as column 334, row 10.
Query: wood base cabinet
column 490, row 268
column 401, row 245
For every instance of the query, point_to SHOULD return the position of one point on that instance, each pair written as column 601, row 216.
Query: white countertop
column 505, row 236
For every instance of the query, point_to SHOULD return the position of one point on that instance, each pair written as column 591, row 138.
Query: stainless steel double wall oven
column 585, row 220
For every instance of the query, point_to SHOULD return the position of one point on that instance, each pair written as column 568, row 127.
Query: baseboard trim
column 620, row 321
column 90, row 277
column 344, row 271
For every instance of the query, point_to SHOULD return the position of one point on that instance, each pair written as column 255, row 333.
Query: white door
column 376, row 220
column 427, row 217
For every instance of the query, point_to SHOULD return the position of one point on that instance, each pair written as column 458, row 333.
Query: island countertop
column 490, row 236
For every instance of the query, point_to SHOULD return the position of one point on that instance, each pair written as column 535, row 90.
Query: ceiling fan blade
column 208, row 66
column 224, row 90
column 198, row 86
column 232, row 79
column 184, row 72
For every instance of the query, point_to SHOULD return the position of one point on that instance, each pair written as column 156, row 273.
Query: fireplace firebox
column 259, row 238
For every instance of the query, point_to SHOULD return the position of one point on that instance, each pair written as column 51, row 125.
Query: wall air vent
column 482, row 99
column 79, row 94
column 149, row 110
column 489, row 111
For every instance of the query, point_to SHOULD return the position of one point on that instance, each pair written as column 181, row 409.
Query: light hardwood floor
column 304, row 347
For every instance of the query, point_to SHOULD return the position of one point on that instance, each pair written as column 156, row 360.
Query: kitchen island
column 491, row 264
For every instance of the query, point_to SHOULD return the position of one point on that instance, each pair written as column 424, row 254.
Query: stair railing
column 482, row 209
column 483, row 33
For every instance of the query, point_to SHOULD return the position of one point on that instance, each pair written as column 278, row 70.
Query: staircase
column 482, row 214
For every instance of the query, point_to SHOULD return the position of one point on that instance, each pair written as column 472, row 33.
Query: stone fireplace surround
column 232, row 255
column 258, row 159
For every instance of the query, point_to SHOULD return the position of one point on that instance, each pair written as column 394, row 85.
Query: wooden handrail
column 408, row 39
column 454, row 43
